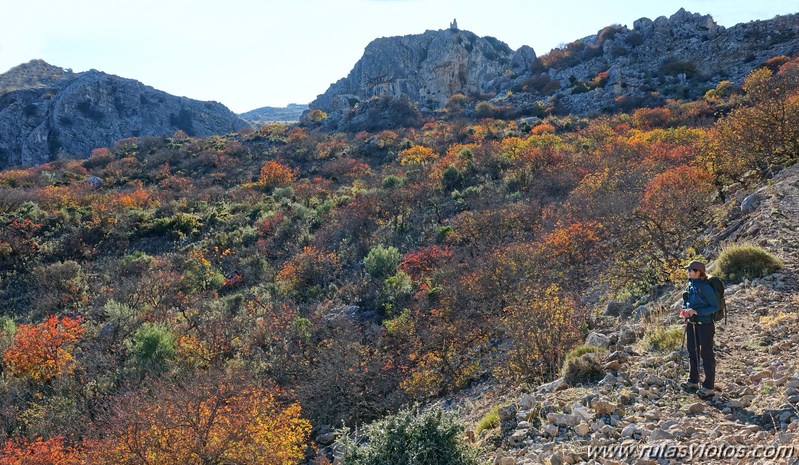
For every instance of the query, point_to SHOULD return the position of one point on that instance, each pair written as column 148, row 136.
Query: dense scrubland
column 212, row 300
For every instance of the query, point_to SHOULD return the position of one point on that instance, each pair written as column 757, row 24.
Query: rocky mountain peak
column 33, row 74
column 428, row 68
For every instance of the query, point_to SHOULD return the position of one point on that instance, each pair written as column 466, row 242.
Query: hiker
column 699, row 305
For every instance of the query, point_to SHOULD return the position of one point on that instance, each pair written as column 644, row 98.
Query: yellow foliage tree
column 208, row 421
column 417, row 155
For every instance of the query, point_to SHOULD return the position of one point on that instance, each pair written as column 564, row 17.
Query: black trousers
column 701, row 335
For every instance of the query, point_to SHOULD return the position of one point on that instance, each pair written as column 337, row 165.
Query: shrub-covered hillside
column 234, row 292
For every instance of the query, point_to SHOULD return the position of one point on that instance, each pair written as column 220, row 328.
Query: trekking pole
column 683, row 347
column 696, row 347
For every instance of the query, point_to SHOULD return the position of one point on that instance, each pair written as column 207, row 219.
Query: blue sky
column 248, row 54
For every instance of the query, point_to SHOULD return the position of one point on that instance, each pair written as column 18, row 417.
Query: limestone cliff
column 428, row 68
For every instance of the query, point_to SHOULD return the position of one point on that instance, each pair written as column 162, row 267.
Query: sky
column 248, row 54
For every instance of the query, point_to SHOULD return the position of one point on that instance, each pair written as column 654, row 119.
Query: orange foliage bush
column 543, row 128
column 44, row 351
column 275, row 174
column 39, row 452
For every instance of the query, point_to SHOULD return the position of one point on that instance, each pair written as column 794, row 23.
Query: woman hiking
column 699, row 305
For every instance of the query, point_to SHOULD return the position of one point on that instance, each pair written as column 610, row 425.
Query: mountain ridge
column 681, row 56
column 47, row 113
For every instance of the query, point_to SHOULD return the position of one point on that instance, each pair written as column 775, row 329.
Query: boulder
column 751, row 202
column 597, row 340
column 618, row 308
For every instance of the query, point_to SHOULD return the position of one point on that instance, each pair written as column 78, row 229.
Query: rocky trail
column 639, row 413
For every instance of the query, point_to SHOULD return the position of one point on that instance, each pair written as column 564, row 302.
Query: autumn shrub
column 44, row 351
column 417, row 155
column 584, row 369
column 541, row 332
column 410, row 437
column 204, row 420
column 382, row 261
column 737, row 262
column 485, row 110
column 275, row 174
column 40, row 451
column 456, row 103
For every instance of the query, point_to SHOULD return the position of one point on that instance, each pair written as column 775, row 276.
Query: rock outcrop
column 681, row 56
column 48, row 113
column 428, row 68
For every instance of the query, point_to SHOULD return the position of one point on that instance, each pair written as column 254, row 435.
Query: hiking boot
column 705, row 392
column 688, row 385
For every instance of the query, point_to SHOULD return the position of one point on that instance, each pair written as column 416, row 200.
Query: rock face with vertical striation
column 47, row 112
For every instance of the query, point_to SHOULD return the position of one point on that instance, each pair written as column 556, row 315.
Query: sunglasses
column 692, row 269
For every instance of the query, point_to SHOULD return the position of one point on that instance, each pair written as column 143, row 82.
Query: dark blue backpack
column 718, row 287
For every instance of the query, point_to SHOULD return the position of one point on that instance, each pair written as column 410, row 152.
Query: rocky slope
column 680, row 56
column 640, row 411
column 289, row 113
column 47, row 113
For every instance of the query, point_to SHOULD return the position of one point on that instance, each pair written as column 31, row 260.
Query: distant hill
column 47, row 112
column 290, row 113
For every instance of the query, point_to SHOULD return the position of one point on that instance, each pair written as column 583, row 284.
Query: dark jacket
column 705, row 302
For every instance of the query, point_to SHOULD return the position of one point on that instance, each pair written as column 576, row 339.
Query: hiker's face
column 693, row 273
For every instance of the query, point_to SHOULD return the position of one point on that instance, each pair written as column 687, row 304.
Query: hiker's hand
column 690, row 312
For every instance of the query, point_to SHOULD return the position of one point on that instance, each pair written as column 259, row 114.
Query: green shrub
column 382, row 262
column 410, row 437
column 485, row 110
column 153, row 346
column 444, row 232
column 452, row 179
column 7, row 330
column 581, row 350
column 397, row 291
column 584, row 369
column 489, row 421
column 746, row 261
column 391, row 181
column 665, row 339
column 675, row 67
